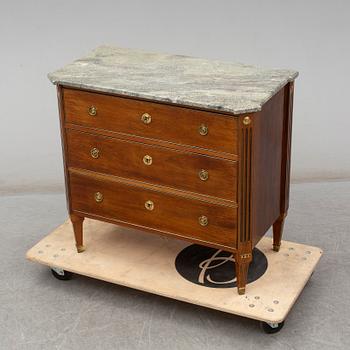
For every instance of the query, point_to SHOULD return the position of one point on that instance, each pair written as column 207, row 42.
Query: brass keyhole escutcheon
column 203, row 130
column 246, row 120
column 146, row 118
column 98, row 197
column 203, row 175
column 149, row 205
column 203, row 220
column 147, row 159
column 92, row 111
column 95, row 152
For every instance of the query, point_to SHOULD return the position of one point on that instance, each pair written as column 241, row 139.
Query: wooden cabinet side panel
column 286, row 147
column 60, row 93
column 267, row 164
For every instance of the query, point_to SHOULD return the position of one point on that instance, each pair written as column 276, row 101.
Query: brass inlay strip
column 245, row 186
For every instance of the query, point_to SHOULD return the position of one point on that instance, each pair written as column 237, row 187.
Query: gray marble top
column 231, row 87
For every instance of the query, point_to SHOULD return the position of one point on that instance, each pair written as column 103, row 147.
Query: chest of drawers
column 193, row 149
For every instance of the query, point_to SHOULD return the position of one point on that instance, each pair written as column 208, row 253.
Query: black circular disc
column 215, row 268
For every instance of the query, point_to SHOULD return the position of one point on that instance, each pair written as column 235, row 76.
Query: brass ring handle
column 246, row 120
column 92, row 111
column 203, row 130
column 203, row 175
column 149, row 205
column 95, row 152
column 147, row 159
column 203, row 220
column 146, row 118
column 98, row 197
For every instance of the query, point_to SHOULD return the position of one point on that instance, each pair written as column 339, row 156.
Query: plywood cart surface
column 147, row 262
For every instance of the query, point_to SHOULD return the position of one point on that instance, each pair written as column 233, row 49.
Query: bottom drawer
column 193, row 219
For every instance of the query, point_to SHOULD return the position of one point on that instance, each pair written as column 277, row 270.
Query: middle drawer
column 153, row 164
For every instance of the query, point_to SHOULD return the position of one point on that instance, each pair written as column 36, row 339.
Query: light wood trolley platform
column 179, row 270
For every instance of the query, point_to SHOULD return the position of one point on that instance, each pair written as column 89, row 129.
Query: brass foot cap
column 80, row 248
column 241, row 290
column 276, row 248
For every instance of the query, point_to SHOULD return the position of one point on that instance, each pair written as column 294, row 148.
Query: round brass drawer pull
column 203, row 130
column 92, row 111
column 147, row 159
column 246, row 120
column 203, row 220
column 146, row 118
column 149, row 205
column 203, row 175
column 98, row 197
column 95, row 152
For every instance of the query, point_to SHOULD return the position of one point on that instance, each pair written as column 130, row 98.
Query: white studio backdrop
column 40, row 36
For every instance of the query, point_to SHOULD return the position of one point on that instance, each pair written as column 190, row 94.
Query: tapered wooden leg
column 277, row 232
column 77, row 222
column 242, row 266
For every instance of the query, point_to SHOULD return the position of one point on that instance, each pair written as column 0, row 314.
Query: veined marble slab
column 147, row 262
column 195, row 82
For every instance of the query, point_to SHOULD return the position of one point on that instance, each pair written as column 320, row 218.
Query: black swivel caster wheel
column 271, row 328
column 61, row 275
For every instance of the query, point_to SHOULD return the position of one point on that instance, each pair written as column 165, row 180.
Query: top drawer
column 152, row 120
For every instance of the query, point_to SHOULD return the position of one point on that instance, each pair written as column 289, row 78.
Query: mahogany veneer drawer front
column 153, row 164
column 151, row 120
column 114, row 200
column 180, row 146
